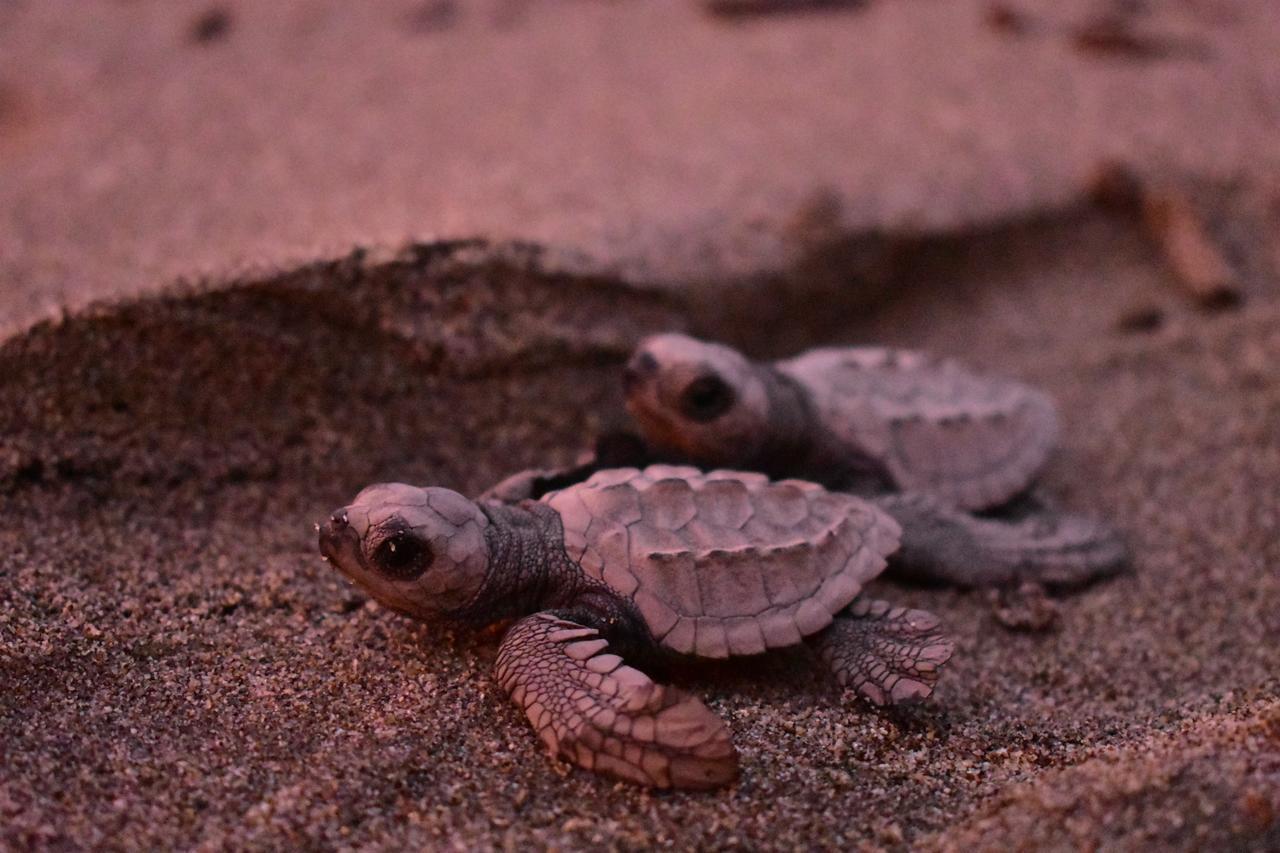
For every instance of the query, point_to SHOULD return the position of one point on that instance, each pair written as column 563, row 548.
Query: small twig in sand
column 1004, row 18
column 212, row 26
column 1170, row 219
column 1194, row 258
column 1116, row 35
column 756, row 8
column 1140, row 318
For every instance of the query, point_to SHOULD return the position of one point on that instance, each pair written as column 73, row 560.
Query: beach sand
column 179, row 669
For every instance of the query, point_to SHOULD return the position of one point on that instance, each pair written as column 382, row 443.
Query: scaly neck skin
column 800, row 445
column 528, row 568
column 788, row 451
column 530, row 572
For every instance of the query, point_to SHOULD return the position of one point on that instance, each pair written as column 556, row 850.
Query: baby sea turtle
column 637, row 565
column 926, row 441
column 865, row 419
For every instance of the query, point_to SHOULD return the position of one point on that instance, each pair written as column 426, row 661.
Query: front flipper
column 526, row 485
column 945, row 544
column 613, row 450
column 595, row 711
column 888, row 654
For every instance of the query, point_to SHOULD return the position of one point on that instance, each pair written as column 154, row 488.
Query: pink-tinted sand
column 177, row 667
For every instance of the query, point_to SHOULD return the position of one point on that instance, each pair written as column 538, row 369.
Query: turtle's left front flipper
column 888, row 654
column 615, row 449
column 590, row 708
column 941, row 543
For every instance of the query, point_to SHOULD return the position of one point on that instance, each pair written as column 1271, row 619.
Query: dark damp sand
column 177, row 667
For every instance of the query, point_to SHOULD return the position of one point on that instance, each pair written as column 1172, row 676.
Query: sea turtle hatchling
column 927, row 441
column 862, row 419
column 635, row 565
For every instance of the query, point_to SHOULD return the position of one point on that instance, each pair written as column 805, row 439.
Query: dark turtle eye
column 706, row 398
column 403, row 556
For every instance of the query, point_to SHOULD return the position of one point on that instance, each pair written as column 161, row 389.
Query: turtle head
column 420, row 552
column 703, row 401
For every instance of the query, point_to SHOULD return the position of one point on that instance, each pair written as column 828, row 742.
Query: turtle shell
column 725, row 563
column 974, row 441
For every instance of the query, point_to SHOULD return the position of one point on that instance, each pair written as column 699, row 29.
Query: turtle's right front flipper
column 945, row 544
column 590, row 708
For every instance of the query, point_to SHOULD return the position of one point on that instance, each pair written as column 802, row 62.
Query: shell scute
column 725, row 563
column 614, row 546
column 657, row 613
column 779, row 628
column 591, row 561
column 681, row 636
column 654, row 473
column 812, row 616
column 783, row 506
column 717, row 539
column 725, row 503
column 744, row 635
column 616, row 503
column 612, row 477
column 672, row 576
column 782, row 586
column 837, row 589
column 934, row 426
column 711, row 639
column 730, row 586
column 668, row 504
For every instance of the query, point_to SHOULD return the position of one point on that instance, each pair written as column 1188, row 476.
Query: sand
column 180, row 669
column 674, row 145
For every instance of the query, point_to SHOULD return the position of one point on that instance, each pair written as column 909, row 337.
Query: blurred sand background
column 275, row 241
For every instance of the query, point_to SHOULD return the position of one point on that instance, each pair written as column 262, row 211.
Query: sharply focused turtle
column 927, row 441
column 635, row 565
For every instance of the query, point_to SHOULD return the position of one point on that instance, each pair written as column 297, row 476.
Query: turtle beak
column 639, row 370
column 336, row 537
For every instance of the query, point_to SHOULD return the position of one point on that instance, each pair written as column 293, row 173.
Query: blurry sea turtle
column 862, row 419
column 632, row 566
column 929, row 442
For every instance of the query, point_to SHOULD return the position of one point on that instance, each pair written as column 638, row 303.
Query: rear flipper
column 590, row 708
column 945, row 544
column 888, row 654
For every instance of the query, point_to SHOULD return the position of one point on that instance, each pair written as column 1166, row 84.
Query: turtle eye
column 403, row 556
column 706, row 398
